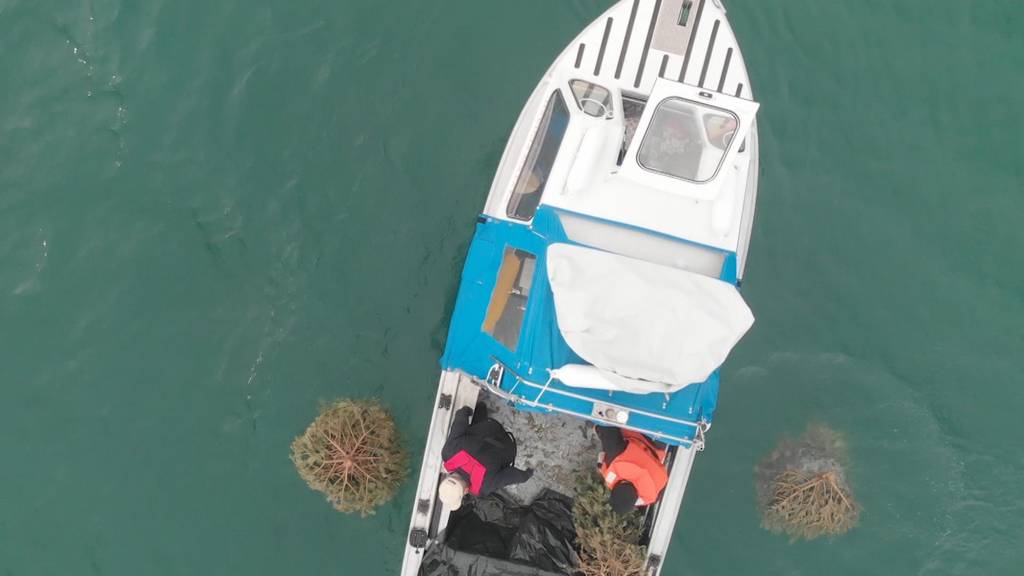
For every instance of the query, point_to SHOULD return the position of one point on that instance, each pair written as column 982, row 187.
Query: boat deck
column 559, row 448
column 671, row 418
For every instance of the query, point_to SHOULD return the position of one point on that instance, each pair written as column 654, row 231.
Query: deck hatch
column 670, row 35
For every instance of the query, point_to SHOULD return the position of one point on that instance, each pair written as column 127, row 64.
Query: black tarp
column 494, row 536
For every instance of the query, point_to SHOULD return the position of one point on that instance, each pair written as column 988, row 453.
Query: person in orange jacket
column 632, row 466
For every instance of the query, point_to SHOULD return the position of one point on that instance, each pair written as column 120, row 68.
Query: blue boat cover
column 541, row 346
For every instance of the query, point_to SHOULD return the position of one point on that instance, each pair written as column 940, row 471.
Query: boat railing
column 493, row 385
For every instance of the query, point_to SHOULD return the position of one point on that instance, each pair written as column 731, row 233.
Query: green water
column 214, row 214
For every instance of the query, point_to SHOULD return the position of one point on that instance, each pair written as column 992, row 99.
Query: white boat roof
column 706, row 213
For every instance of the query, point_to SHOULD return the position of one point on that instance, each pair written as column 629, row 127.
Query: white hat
column 451, row 491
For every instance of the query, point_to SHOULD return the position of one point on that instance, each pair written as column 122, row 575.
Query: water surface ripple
column 215, row 214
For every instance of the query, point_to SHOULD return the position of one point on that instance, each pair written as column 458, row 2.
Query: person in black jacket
column 479, row 458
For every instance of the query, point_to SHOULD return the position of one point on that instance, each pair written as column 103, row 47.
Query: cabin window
column 540, row 159
column 592, row 99
column 687, row 140
column 632, row 112
column 505, row 313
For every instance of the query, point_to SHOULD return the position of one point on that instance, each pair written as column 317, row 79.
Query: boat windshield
column 592, row 99
column 687, row 140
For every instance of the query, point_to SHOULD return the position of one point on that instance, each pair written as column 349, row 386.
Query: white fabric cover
column 643, row 326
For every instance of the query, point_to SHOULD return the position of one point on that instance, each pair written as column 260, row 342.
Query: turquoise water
column 215, row 214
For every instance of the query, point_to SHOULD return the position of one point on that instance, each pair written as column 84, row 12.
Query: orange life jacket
column 641, row 465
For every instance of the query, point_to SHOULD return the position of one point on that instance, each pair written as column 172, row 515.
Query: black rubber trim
column 579, row 54
column 647, row 44
column 418, row 538
column 625, row 41
column 604, row 44
column 707, row 55
column 725, row 70
column 664, row 64
column 435, row 514
column 693, row 38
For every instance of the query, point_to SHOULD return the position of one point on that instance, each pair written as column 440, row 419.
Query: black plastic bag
column 440, row 560
column 494, row 536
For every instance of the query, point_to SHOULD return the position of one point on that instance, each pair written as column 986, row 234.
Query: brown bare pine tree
column 353, row 454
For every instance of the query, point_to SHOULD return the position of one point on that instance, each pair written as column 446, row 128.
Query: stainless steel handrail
column 495, row 388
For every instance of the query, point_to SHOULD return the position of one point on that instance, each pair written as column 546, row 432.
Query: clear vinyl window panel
column 505, row 313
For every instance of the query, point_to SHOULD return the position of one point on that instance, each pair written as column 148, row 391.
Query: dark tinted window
column 543, row 151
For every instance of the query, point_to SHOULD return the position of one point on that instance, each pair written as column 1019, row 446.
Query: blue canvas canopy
column 672, row 418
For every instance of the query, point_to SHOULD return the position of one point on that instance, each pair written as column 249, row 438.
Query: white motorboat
column 602, row 281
